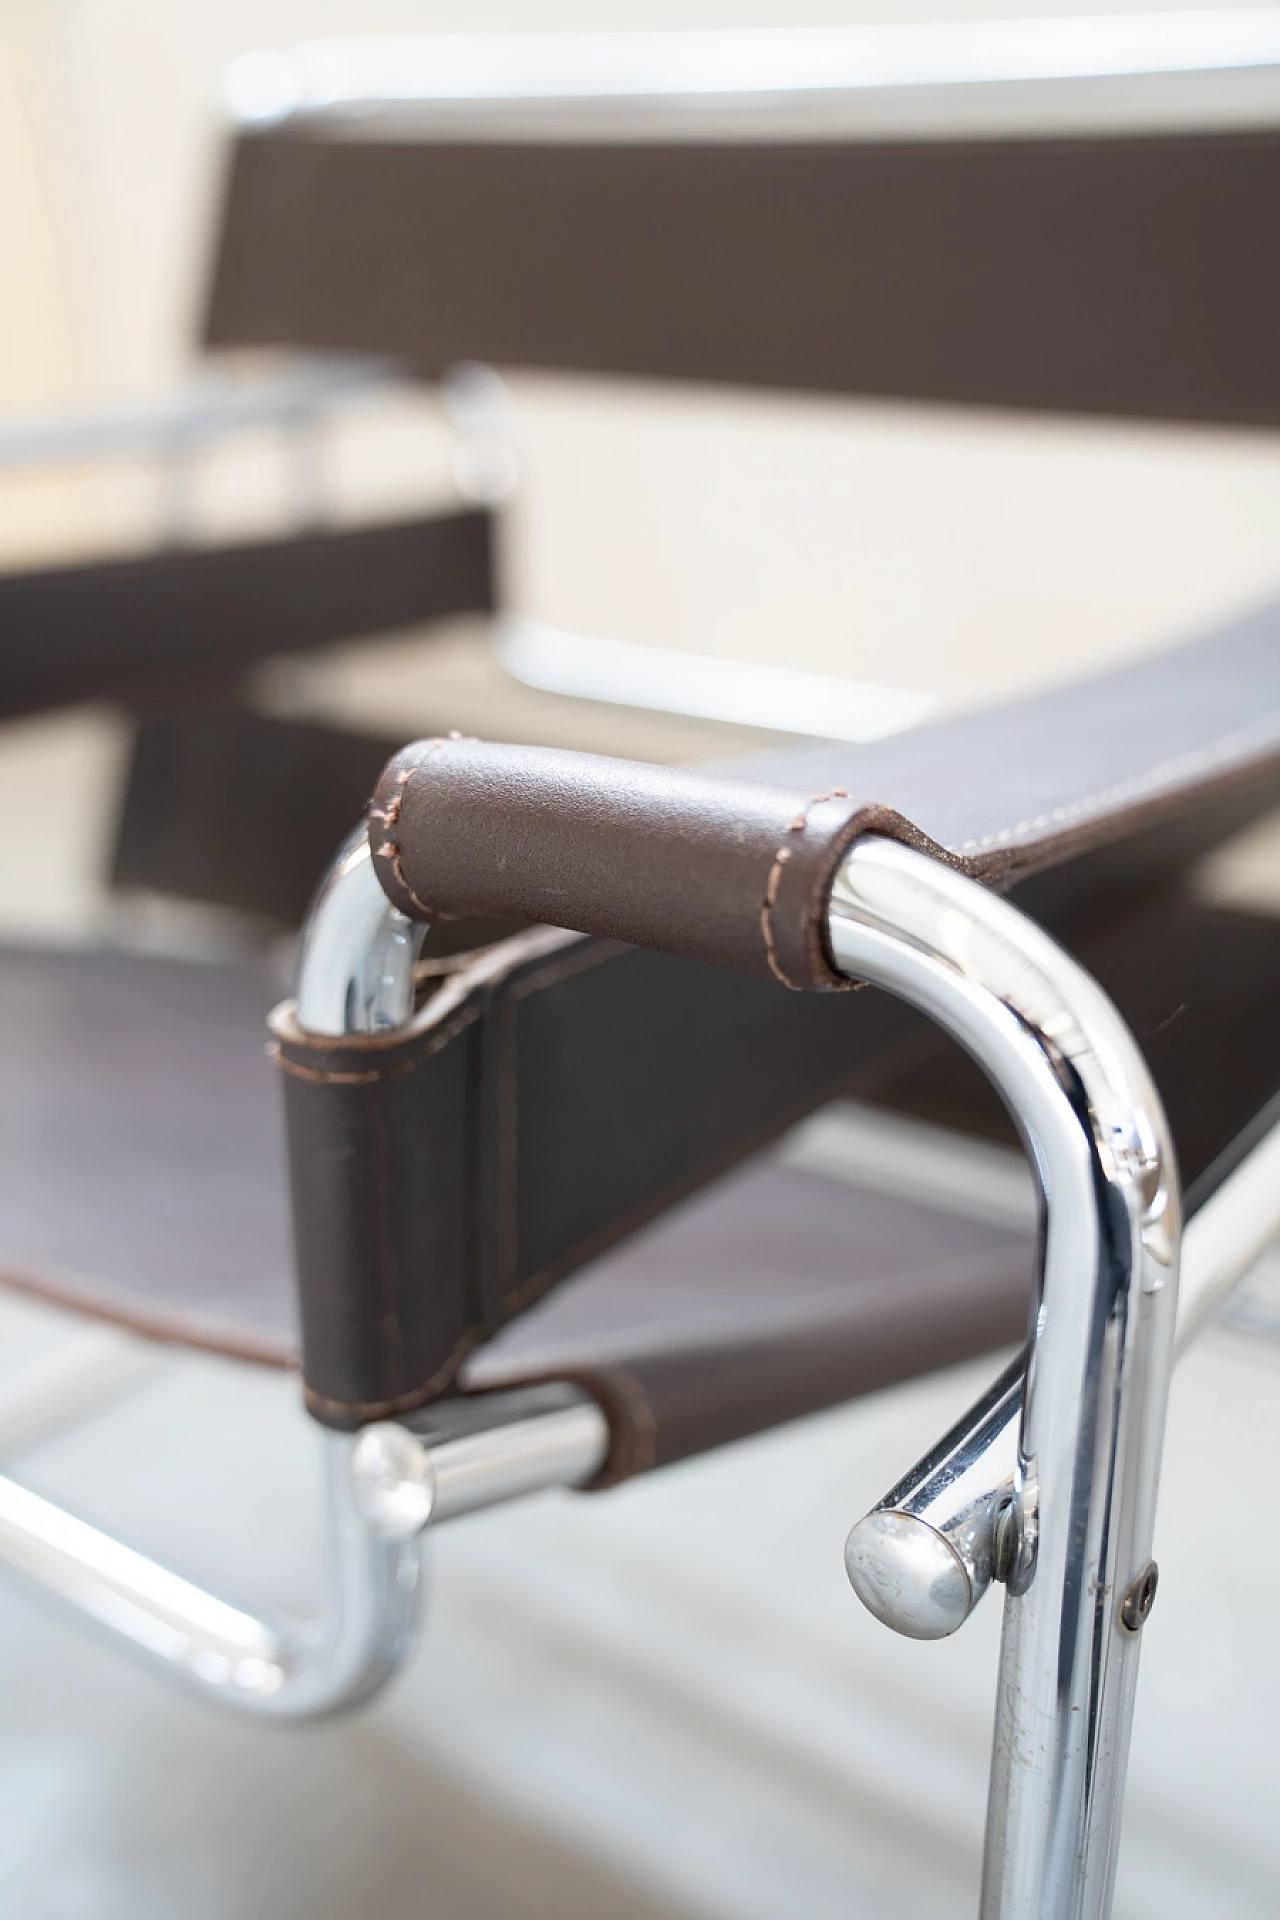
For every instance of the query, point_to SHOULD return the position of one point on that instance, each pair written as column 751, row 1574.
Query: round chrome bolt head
column 905, row 1573
column 393, row 1481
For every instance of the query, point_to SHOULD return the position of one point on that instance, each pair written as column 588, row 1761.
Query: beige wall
column 968, row 555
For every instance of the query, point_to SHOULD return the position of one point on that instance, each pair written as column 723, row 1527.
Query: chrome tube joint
column 923, row 1557
column 1073, row 1532
column 949, row 1510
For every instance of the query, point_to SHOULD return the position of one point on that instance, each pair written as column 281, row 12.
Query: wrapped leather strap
column 726, row 870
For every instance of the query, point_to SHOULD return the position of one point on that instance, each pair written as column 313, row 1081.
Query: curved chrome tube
column 272, row 1671
column 1078, row 1534
column 356, row 961
column 950, row 1507
column 384, row 1485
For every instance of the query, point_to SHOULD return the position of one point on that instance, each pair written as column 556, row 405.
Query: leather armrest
column 713, row 868
column 562, row 1091
column 736, row 870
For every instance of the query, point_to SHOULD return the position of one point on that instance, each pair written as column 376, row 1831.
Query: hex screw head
column 1140, row 1597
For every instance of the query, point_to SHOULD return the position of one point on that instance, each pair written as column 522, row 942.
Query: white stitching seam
column 1168, row 773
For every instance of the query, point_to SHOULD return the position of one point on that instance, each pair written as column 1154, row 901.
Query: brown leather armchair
column 474, row 1142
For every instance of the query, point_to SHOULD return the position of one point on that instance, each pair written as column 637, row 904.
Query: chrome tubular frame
column 902, row 1556
column 1075, row 1542
column 384, row 1484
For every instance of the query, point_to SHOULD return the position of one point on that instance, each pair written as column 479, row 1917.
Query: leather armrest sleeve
column 731, row 871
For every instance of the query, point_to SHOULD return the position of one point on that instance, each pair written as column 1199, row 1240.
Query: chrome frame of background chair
column 1064, row 1513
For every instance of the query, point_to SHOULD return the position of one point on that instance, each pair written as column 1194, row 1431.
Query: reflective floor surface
column 663, row 1702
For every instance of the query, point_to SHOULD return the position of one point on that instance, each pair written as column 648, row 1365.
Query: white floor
column 659, row 1702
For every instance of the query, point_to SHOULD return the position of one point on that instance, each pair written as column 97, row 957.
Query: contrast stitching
column 766, row 915
column 188, row 1330
column 1167, row 773
column 390, row 814
column 390, row 851
column 319, row 1077
column 393, row 1071
column 774, row 884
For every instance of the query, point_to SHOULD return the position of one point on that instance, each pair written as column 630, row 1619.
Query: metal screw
column 1005, row 1541
column 1139, row 1599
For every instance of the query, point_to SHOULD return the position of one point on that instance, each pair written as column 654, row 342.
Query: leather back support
column 199, row 783
column 557, row 1092
column 1120, row 274
column 148, row 629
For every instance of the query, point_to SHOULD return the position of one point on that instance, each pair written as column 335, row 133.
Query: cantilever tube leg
column 1096, row 1381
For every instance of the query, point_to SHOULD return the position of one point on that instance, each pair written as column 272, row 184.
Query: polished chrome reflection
column 272, row 1670
column 383, row 1486
column 355, row 968
column 952, row 1501
column 1080, row 1518
column 492, row 1447
column 924, row 1556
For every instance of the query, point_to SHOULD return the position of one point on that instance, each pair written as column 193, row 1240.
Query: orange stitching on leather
column 766, row 914
column 390, row 851
column 391, row 813
column 316, row 1075
column 774, row 883
column 398, row 1066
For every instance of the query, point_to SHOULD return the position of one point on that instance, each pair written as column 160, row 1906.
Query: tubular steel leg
column 384, row 1485
column 924, row 1556
column 1077, row 1537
